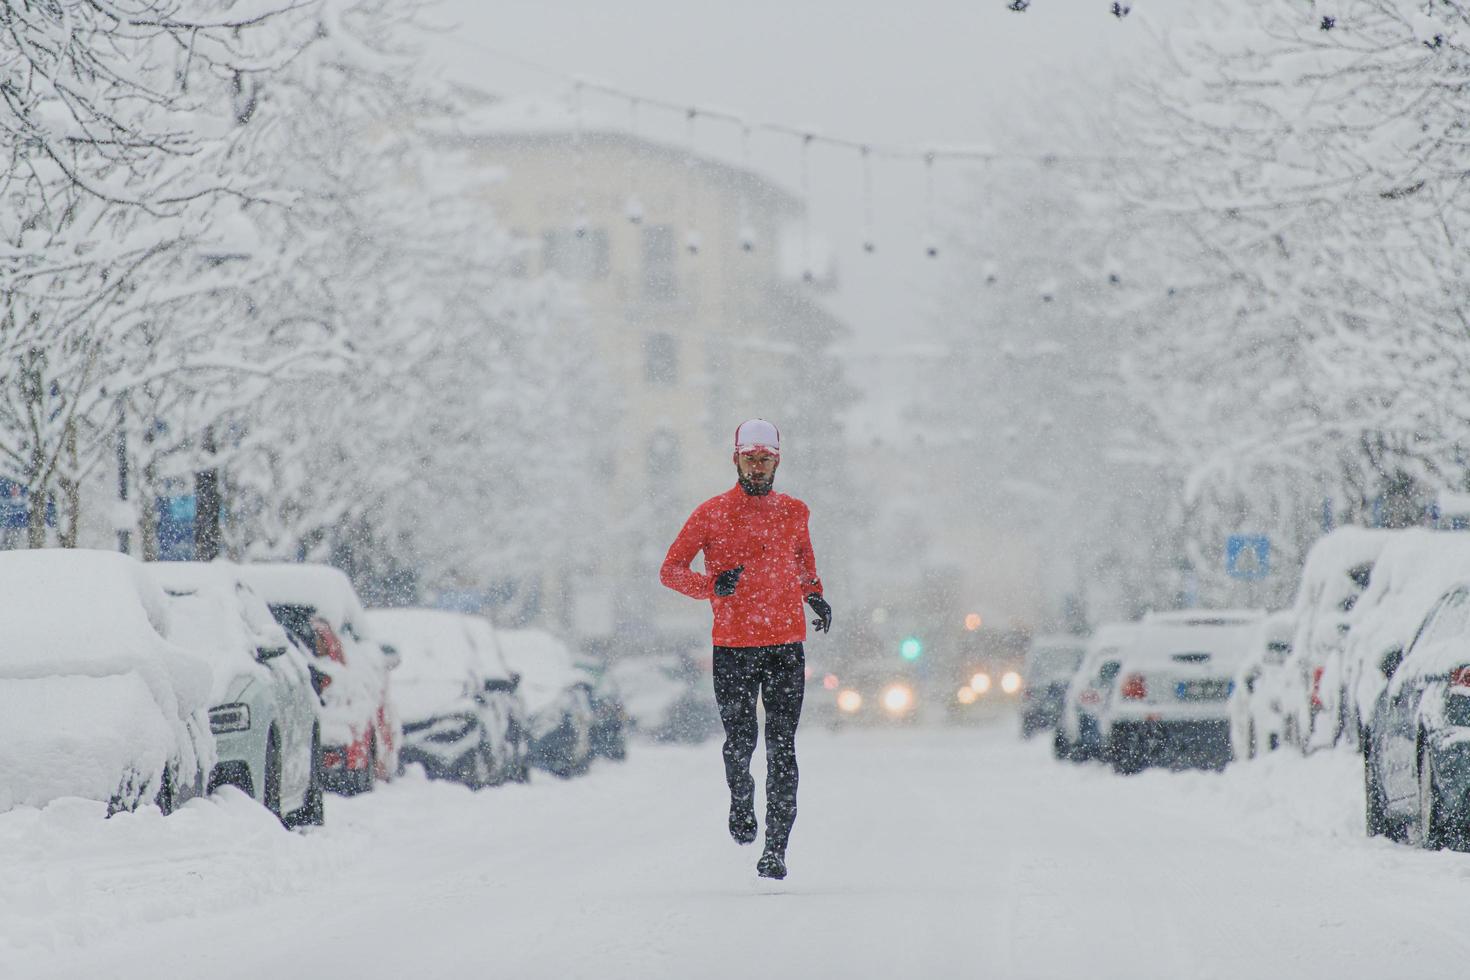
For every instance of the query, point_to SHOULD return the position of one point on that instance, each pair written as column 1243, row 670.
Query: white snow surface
column 917, row 853
column 325, row 589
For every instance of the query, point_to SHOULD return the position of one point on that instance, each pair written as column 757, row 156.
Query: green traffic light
column 911, row 648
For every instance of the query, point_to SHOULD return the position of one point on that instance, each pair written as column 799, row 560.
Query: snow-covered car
column 1338, row 569
column 609, row 715
column 95, row 702
column 664, row 699
column 264, row 707
column 1416, row 762
column 502, row 694
column 1078, row 735
column 1411, row 573
column 449, row 725
column 360, row 727
column 1257, row 708
column 1051, row 663
column 558, row 699
column 1172, row 697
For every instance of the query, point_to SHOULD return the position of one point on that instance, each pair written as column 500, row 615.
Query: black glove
column 823, row 622
column 725, row 581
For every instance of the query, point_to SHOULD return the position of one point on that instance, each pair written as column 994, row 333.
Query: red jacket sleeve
column 676, row 573
column 810, row 581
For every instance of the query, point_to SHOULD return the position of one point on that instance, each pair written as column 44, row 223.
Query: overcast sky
column 925, row 72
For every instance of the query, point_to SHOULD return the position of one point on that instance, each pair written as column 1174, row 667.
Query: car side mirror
column 391, row 656
column 262, row 654
column 1390, row 662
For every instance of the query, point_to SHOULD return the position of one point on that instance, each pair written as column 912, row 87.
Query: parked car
column 502, row 695
column 1051, row 662
column 95, row 702
column 1171, row 705
column 1411, row 573
column 668, row 699
column 1078, row 734
column 1416, row 764
column 360, row 728
column 1257, row 705
column 609, row 716
column 558, row 699
column 264, row 707
column 1337, row 570
column 450, row 727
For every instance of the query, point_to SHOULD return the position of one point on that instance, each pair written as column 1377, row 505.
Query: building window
column 579, row 258
column 664, row 459
column 660, row 267
column 661, row 359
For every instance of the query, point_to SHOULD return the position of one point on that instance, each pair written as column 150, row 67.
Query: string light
column 747, row 233
column 691, row 237
column 931, row 242
column 807, row 275
column 633, row 209
column 869, row 244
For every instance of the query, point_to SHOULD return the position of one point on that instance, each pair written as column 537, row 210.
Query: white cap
column 754, row 434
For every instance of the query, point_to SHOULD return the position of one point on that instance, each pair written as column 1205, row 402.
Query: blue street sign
column 176, row 527
column 1248, row 556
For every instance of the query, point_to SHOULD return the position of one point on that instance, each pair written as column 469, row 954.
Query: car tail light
column 1135, row 688
column 1089, row 697
column 1460, row 676
column 328, row 645
column 1317, row 687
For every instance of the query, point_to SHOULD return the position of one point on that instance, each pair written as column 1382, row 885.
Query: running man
column 758, row 568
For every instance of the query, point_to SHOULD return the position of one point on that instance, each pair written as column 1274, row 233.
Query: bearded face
column 756, row 471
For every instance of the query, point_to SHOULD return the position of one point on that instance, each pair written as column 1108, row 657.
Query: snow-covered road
column 918, row 853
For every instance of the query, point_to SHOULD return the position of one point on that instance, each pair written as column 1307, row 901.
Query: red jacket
column 768, row 535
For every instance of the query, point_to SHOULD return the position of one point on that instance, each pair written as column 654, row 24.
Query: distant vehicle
column 609, row 716
column 450, row 726
column 1051, row 663
column 558, row 700
column 360, row 728
column 1337, row 571
column 264, row 715
column 95, row 702
column 1171, row 704
column 1257, row 708
column 877, row 695
column 1078, row 734
column 1416, row 762
column 1414, row 569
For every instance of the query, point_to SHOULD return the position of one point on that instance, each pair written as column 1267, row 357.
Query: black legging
column 778, row 674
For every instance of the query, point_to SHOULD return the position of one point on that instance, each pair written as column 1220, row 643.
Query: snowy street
column 921, row 853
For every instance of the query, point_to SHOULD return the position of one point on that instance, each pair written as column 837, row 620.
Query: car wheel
column 1128, row 754
column 1426, row 830
column 1059, row 747
column 1375, row 813
column 271, row 789
column 167, row 798
column 313, row 811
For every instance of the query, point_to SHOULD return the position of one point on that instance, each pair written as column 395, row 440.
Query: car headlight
column 966, row 695
column 849, row 701
column 229, row 718
column 898, row 698
column 1010, row 682
column 980, row 683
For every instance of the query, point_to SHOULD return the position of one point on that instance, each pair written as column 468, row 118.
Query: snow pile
column 90, row 692
column 487, row 646
column 440, row 665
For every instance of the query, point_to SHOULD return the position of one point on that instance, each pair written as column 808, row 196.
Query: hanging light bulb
column 931, row 241
column 691, row 238
column 870, row 245
column 807, row 274
column 747, row 231
column 633, row 208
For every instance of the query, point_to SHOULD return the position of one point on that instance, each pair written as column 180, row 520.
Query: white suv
column 1170, row 703
column 264, row 716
